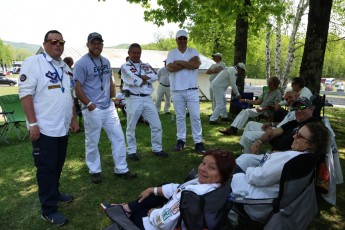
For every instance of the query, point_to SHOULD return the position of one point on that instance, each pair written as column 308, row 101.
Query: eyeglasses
column 299, row 135
column 182, row 38
column 54, row 42
column 301, row 107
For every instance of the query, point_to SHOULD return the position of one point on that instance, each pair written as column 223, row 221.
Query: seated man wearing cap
column 281, row 138
column 213, row 72
column 219, row 86
column 265, row 102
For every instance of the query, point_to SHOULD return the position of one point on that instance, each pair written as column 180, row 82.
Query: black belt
column 164, row 85
column 139, row 95
column 192, row 88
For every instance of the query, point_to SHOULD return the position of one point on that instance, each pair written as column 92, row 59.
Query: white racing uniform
column 211, row 78
column 253, row 131
column 219, row 86
column 163, row 89
column 184, row 88
column 166, row 218
column 260, row 178
column 140, row 103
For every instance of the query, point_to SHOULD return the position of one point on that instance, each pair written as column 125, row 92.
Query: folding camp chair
column 244, row 105
column 3, row 128
column 296, row 204
column 14, row 115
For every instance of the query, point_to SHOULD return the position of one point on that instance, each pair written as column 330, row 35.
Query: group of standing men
column 46, row 84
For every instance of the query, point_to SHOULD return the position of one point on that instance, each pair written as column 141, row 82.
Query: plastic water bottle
column 239, row 195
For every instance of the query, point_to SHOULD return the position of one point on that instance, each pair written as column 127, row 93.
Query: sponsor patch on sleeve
column 22, row 78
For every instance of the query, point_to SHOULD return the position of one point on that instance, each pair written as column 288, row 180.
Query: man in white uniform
column 163, row 89
column 266, row 101
column 254, row 130
column 95, row 89
column 45, row 89
column 213, row 72
column 138, row 78
column 219, row 86
column 183, row 63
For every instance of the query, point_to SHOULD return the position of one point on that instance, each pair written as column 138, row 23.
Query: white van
column 330, row 81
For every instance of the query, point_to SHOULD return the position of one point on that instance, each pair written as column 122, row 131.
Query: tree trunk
column 278, row 47
column 302, row 6
column 268, row 51
column 241, row 40
column 315, row 43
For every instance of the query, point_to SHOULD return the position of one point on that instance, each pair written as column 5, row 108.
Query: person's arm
column 29, row 110
column 82, row 96
column 266, row 137
column 131, row 78
column 112, row 88
column 233, row 84
column 74, row 127
column 174, row 67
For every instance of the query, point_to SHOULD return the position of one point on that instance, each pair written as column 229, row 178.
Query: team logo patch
column 22, row 78
column 166, row 214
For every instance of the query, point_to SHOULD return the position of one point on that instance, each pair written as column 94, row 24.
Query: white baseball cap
column 241, row 65
column 181, row 33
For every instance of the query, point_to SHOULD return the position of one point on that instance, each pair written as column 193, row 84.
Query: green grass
column 18, row 190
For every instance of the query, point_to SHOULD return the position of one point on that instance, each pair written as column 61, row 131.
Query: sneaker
column 96, row 178
column 105, row 205
column 179, row 145
column 199, row 148
column 161, row 154
column 133, row 157
column 65, row 198
column 55, row 218
column 127, row 175
column 230, row 131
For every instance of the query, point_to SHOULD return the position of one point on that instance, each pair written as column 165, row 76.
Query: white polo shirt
column 186, row 78
column 53, row 107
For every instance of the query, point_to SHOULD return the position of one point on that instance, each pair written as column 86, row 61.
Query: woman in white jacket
column 258, row 175
column 159, row 207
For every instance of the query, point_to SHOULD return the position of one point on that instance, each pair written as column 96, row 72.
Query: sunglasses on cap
column 182, row 38
column 301, row 107
column 54, row 42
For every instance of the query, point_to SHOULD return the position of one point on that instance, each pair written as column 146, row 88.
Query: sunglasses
column 299, row 135
column 301, row 107
column 54, row 42
column 182, row 38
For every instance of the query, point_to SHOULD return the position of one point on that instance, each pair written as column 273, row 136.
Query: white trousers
column 187, row 99
column 107, row 119
column 137, row 106
column 161, row 92
column 220, row 103
column 251, row 133
column 242, row 118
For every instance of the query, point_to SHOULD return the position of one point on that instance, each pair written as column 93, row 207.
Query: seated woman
column 158, row 207
column 259, row 175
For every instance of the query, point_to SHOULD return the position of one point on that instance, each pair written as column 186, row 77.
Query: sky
column 116, row 20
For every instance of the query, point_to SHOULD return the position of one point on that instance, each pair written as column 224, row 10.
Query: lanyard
column 57, row 75
column 99, row 70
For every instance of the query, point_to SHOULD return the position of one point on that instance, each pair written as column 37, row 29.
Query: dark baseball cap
column 303, row 101
column 94, row 36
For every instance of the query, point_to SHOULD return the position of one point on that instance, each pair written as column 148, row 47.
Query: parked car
column 7, row 81
column 338, row 83
column 329, row 87
column 2, row 73
column 330, row 81
column 340, row 88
